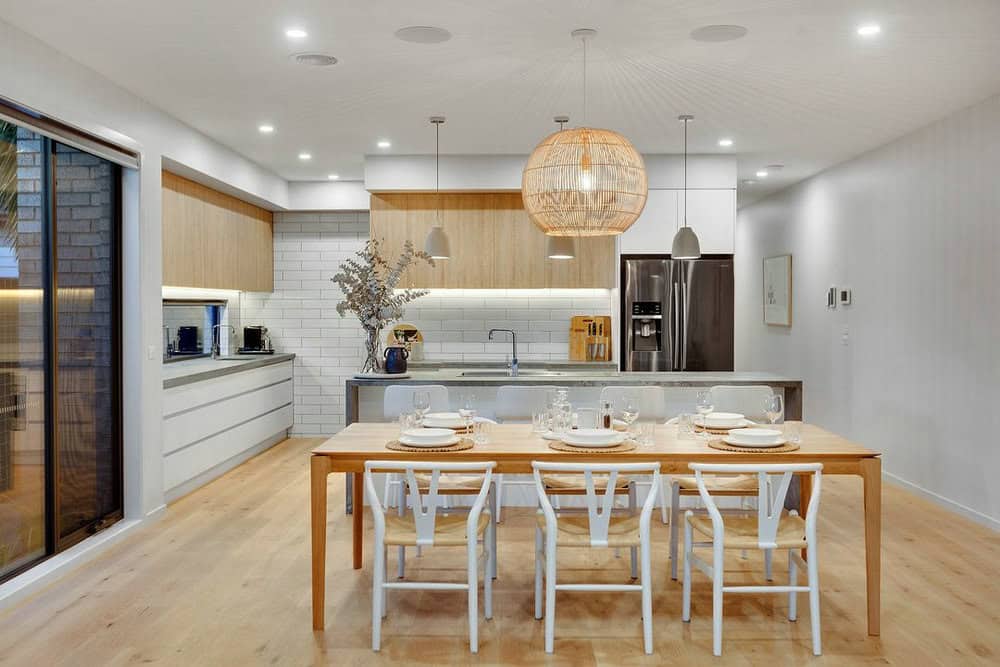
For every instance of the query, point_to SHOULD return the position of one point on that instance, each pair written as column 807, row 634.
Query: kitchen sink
column 496, row 374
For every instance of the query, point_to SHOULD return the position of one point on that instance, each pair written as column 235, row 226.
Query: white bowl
column 756, row 435
column 596, row 435
column 429, row 443
column 428, row 434
column 723, row 420
column 444, row 420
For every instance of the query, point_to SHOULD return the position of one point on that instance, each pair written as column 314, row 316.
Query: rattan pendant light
column 584, row 181
column 436, row 244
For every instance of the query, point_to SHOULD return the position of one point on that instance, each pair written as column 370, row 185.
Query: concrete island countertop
column 180, row 373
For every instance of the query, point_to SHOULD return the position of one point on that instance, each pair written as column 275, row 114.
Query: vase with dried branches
column 369, row 286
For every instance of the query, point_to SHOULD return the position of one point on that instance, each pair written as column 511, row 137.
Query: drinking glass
column 703, row 403
column 421, row 404
column 586, row 418
column 646, row 431
column 467, row 409
column 773, row 408
column 793, row 432
column 481, row 432
column 630, row 412
column 407, row 420
column 540, row 421
column 685, row 426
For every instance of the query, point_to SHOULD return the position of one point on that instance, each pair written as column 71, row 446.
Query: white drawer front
column 185, row 397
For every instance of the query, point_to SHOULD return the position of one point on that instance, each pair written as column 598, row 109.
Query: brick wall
column 301, row 314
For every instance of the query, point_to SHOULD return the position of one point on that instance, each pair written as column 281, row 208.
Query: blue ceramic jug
column 395, row 359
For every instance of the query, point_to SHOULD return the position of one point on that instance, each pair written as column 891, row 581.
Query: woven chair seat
column 451, row 483
column 449, row 530
column 719, row 483
column 574, row 531
column 741, row 532
column 567, row 482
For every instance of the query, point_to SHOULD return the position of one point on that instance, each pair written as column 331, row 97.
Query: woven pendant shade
column 584, row 182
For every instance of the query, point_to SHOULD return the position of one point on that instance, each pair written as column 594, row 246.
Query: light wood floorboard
column 223, row 579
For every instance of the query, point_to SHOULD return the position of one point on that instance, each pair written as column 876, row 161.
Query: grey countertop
column 580, row 377
column 197, row 370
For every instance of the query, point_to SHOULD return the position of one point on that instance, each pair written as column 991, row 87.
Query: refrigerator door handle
column 676, row 316
column 684, row 343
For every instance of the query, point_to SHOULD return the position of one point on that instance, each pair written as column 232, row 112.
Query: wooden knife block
column 590, row 338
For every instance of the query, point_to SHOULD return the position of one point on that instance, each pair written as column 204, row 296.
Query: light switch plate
column 845, row 296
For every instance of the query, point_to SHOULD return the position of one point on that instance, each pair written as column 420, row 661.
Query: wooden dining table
column 513, row 447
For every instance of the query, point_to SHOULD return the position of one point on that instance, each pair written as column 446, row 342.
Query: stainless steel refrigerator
column 677, row 315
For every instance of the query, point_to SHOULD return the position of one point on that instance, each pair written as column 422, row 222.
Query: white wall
column 914, row 228
column 328, row 196
column 36, row 75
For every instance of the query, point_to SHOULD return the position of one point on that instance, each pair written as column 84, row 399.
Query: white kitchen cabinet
column 712, row 216
column 654, row 231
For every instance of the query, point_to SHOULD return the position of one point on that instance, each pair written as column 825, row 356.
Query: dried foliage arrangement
column 369, row 285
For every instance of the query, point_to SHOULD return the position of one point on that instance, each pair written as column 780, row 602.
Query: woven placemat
column 698, row 428
column 396, row 445
column 560, row 446
column 725, row 446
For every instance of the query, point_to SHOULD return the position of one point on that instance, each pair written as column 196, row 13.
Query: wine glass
column 773, row 408
column 421, row 404
column 704, row 406
column 467, row 410
column 630, row 412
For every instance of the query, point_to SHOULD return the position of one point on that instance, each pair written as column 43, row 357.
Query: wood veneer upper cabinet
column 493, row 243
column 214, row 240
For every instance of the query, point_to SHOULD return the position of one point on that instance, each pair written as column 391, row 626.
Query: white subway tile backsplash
column 302, row 318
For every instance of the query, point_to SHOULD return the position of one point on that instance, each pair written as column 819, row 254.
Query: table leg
column 871, row 472
column 350, row 416
column 319, row 467
column 358, row 518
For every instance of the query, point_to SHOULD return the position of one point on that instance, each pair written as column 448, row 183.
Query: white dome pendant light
column 560, row 247
column 686, row 245
column 437, row 245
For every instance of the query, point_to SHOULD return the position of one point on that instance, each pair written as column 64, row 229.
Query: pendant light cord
column 437, row 170
column 585, row 81
column 685, row 172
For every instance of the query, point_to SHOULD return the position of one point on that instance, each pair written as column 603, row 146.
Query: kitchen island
column 218, row 413
column 363, row 395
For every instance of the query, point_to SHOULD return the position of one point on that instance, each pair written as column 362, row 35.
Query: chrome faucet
column 217, row 338
column 513, row 342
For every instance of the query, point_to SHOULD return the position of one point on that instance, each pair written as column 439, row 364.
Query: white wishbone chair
column 428, row 524
column 770, row 529
column 600, row 528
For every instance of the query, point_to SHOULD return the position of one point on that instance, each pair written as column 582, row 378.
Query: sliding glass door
column 60, row 421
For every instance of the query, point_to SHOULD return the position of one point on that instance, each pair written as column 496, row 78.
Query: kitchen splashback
column 302, row 318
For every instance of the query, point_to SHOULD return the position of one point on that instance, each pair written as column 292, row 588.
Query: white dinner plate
column 429, row 434
column 744, row 423
column 761, row 435
column 749, row 444
column 612, row 441
column 595, row 435
column 444, row 420
column 410, row 442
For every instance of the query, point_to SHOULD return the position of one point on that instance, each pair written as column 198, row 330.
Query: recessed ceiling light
column 725, row 143
column 305, row 156
column 296, row 33
column 423, row 34
column 266, row 129
column 761, row 174
column 333, row 177
column 748, row 181
column 774, row 167
column 314, row 59
column 718, row 33
column 384, row 143
column 869, row 29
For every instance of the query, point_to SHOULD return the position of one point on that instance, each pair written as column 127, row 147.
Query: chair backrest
column 773, row 480
column 399, row 398
column 652, row 400
column 748, row 400
column 516, row 403
column 424, row 505
column 599, row 504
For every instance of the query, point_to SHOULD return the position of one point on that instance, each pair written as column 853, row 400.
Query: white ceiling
column 802, row 88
